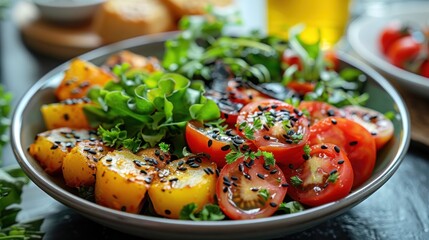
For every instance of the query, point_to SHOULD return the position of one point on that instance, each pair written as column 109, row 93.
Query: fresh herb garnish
column 210, row 212
column 164, row 147
column 291, row 207
column 296, row 181
column 5, row 100
column 333, row 177
column 235, row 154
column 264, row 194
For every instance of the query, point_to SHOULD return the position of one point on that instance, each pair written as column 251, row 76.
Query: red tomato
column 240, row 92
column 290, row 58
column 403, row 50
column 325, row 177
column 332, row 61
column 209, row 140
column 391, row 33
column 353, row 138
column 276, row 127
column 424, row 69
column 376, row 123
column 250, row 189
column 228, row 109
column 301, row 87
column 319, row 110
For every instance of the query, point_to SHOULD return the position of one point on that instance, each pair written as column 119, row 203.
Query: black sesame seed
column 157, row 152
column 324, row 147
column 267, row 167
column 254, row 189
column 285, row 185
column 206, row 171
column 340, row 162
column 289, row 141
column 373, row 133
column 290, row 166
column 225, row 189
column 168, row 212
column 173, row 179
column 333, row 121
column 353, row 143
column 273, row 204
column 240, row 167
column 305, row 156
column 228, row 184
column 333, row 172
column 225, row 148
column 225, row 115
column 217, row 172
column 143, row 172
column 66, row 117
column 109, row 159
column 331, row 112
column 54, row 147
column 266, row 137
column 209, row 143
column 337, row 149
column 225, row 178
column 273, row 171
column 148, row 180
column 210, row 170
column 261, row 176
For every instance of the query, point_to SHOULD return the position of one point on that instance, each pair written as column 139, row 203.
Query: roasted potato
column 188, row 180
column 79, row 165
column 122, row 180
column 68, row 113
column 79, row 78
column 51, row 147
column 136, row 62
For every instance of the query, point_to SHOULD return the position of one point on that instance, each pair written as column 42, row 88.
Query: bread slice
column 118, row 19
column 181, row 8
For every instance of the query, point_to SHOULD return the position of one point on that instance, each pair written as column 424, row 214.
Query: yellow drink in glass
column 328, row 16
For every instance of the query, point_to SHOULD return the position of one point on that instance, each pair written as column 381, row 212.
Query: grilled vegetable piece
column 51, row 147
column 79, row 78
column 136, row 61
column 79, row 166
column 191, row 179
column 122, row 179
column 68, row 113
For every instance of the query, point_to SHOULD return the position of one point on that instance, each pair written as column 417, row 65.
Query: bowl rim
column 95, row 211
column 67, row 4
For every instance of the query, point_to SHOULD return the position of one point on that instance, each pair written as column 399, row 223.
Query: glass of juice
column 330, row 17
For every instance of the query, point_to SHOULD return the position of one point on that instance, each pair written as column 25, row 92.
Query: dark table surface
column 398, row 210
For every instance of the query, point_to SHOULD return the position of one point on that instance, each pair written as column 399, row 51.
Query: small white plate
column 363, row 34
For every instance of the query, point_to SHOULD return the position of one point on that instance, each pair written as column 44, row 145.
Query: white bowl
column 363, row 34
column 67, row 11
column 27, row 122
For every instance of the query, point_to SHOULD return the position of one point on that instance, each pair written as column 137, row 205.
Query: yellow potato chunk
column 79, row 166
column 122, row 180
column 51, row 147
column 68, row 113
column 136, row 62
column 79, row 78
column 188, row 180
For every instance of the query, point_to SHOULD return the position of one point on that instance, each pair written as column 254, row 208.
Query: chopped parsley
column 291, row 207
column 296, row 181
column 333, row 177
column 210, row 212
column 164, row 147
column 264, row 194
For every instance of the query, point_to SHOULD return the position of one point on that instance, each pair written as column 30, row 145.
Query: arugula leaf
column 210, row 212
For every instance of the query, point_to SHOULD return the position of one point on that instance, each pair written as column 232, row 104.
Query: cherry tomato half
column 403, row 50
column 376, row 123
column 240, row 92
column 351, row 137
column 250, row 189
column 212, row 141
column 319, row 110
column 392, row 32
column 275, row 126
column 325, row 177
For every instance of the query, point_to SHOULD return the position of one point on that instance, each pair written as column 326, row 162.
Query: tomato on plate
column 354, row 139
column 275, row 126
column 424, row 68
column 392, row 32
column 325, row 177
column 376, row 123
column 319, row 110
column 240, row 92
column 403, row 51
column 213, row 141
column 248, row 189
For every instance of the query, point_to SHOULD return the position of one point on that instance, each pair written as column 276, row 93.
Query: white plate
column 363, row 36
